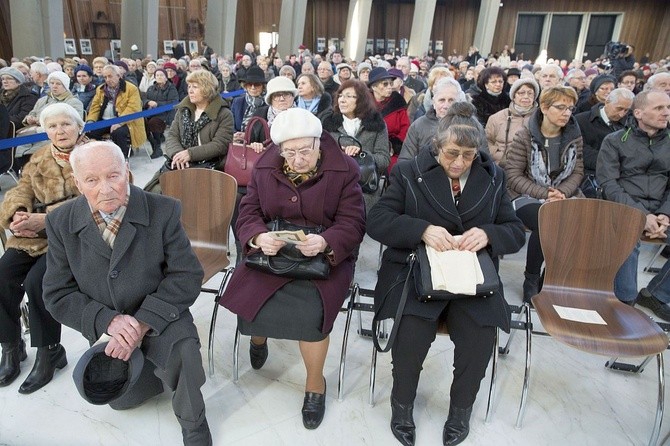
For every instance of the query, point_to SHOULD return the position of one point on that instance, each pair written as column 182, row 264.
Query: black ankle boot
column 46, row 363
column 10, row 364
column 402, row 422
column 531, row 286
column 155, row 146
column 457, row 427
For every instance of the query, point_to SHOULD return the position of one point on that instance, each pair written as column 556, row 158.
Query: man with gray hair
column 659, row 81
column 404, row 65
column 119, row 263
column 577, row 80
column 550, row 75
column 325, row 73
column 595, row 125
column 39, row 73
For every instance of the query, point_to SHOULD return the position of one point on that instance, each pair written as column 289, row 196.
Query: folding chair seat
column 577, row 305
column 208, row 201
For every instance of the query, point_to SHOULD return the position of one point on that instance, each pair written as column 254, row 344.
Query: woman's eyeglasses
column 304, row 152
column 386, row 83
column 468, row 155
column 563, row 108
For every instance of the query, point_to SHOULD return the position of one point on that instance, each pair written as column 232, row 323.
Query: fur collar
column 373, row 123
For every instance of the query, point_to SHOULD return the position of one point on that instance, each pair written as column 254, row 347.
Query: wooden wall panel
column 642, row 25
column 325, row 19
column 254, row 17
column 455, row 23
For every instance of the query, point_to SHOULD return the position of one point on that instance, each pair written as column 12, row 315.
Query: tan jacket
column 500, row 130
column 44, row 181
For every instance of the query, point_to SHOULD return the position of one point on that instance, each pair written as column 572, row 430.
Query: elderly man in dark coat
column 119, row 263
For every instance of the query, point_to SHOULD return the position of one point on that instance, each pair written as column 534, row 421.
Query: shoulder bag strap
column 249, row 129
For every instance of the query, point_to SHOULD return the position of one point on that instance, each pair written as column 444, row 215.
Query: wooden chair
column 585, row 242
column 208, row 200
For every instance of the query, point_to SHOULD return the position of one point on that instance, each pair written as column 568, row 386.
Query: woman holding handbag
column 454, row 190
column 303, row 179
column 356, row 116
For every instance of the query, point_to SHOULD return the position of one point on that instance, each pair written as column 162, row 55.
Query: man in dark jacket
column 599, row 122
column 632, row 168
column 177, row 50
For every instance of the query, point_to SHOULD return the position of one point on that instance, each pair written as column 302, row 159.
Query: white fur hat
column 60, row 76
column 295, row 123
column 279, row 84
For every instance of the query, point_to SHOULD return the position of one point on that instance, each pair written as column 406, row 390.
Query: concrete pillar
column 291, row 26
column 486, row 26
column 139, row 26
column 44, row 19
column 358, row 22
column 220, row 26
column 422, row 26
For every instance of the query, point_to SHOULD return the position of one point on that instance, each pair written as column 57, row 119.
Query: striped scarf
column 109, row 230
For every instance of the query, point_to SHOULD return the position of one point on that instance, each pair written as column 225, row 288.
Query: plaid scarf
column 298, row 178
column 109, row 231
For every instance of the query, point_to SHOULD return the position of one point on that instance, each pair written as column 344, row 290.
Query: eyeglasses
column 525, row 93
column 495, row 81
column 282, row 95
column 304, row 152
column 347, row 96
column 563, row 108
column 451, row 155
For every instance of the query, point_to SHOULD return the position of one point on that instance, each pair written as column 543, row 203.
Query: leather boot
column 200, row 436
column 531, row 286
column 457, row 427
column 10, row 364
column 402, row 422
column 46, row 363
column 258, row 354
column 155, row 145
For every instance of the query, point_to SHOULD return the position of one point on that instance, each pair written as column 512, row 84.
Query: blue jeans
column 625, row 282
column 659, row 286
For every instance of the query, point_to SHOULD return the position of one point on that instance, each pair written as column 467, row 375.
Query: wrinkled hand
column 257, row 147
column 238, row 137
column 351, row 150
column 555, row 195
column 32, row 120
column 473, row 240
column 439, row 238
column 181, row 160
column 27, row 224
column 269, row 245
column 312, row 246
column 127, row 331
column 655, row 226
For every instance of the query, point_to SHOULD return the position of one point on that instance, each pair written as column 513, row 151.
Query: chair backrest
column 208, row 200
column 585, row 242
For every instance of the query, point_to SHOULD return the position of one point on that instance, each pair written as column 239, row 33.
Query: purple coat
column 332, row 198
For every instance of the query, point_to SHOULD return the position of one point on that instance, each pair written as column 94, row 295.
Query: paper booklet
column 290, row 237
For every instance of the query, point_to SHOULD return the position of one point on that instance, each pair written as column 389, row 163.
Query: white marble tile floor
column 573, row 400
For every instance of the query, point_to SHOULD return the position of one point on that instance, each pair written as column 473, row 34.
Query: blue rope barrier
column 8, row 143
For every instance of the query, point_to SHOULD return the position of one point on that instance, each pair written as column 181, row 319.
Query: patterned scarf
column 272, row 114
column 8, row 96
column 110, row 93
column 109, row 230
column 298, row 178
column 252, row 105
column 62, row 158
column 191, row 129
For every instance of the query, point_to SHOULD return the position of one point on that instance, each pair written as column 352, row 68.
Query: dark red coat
column 332, row 198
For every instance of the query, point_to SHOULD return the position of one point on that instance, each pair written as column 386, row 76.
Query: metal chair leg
column 345, row 340
column 660, row 405
column 212, row 324
column 526, row 376
column 494, row 377
column 373, row 375
column 236, row 356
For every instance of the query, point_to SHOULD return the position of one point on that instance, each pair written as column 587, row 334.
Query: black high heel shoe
column 47, row 362
column 314, row 408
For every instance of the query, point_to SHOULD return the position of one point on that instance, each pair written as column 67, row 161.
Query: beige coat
column 500, row 130
column 43, row 181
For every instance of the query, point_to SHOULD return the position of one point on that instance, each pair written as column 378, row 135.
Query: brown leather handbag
column 241, row 158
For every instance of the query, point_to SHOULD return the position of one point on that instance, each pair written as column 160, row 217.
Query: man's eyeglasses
column 563, row 108
column 468, row 155
column 282, row 95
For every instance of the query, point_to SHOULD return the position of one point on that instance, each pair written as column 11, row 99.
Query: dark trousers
column 534, row 257
column 183, row 374
column 120, row 136
column 473, row 348
column 19, row 273
column 241, row 192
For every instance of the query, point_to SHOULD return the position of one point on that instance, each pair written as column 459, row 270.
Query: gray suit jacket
column 152, row 273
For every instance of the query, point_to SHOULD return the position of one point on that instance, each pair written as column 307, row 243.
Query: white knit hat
column 60, row 76
column 279, row 84
column 295, row 123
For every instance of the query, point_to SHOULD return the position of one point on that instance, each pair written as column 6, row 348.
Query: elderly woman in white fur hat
column 303, row 179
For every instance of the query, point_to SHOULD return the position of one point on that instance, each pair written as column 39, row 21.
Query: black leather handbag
column 369, row 176
column 289, row 261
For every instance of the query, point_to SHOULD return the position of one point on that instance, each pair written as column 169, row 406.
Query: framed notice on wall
column 70, row 47
column 192, row 46
column 320, row 44
column 85, row 46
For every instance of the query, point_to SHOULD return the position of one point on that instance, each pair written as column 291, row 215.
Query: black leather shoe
column 660, row 309
column 46, row 363
column 457, row 427
column 10, row 364
column 258, row 354
column 313, row 408
column 402, row 422
column 200, row 436
column 157, row 153
column 531, row 286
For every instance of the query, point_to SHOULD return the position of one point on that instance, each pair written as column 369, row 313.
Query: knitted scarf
column 191, row 129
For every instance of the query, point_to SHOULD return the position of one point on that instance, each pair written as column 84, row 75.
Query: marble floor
column 573, row 399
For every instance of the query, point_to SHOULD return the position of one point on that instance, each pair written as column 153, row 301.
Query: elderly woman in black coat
column 456, row 190
column 492, row 98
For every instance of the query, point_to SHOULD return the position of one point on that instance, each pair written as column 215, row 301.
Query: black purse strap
column 398, row 314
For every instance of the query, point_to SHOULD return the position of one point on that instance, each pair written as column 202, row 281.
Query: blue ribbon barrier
column 37, row 137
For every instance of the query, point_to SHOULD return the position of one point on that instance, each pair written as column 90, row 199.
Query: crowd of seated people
column 542, row 132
